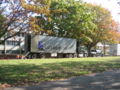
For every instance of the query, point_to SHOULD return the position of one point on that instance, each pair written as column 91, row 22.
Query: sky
column 111, row 5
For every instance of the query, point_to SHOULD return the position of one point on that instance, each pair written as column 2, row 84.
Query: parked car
column 97, row 52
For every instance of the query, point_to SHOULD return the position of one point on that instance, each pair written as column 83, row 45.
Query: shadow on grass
column 100, row 81
column 29, row 74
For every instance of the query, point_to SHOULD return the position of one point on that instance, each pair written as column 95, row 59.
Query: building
column 114, row 50
column 14, row 45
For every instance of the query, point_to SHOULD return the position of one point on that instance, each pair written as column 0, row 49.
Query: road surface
column 101, row 81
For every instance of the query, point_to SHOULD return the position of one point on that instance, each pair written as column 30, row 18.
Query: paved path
column 102, row 81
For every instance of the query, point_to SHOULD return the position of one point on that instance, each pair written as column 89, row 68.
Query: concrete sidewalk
column 101, row 81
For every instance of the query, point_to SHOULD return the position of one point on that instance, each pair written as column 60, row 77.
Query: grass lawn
column 23, row 72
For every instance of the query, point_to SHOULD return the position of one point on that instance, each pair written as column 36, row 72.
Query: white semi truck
column 39, row 46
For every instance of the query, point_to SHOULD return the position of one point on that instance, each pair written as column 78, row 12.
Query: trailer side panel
column 49, row 44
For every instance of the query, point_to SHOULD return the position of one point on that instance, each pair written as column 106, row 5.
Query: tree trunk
column 104, row 48
column 78, row 48
column 89, row 51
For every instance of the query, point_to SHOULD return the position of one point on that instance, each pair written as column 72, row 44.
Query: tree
column 15, row 19
column 113, row 35
column 87, row 23
column 106, row 28
column 38, row 7
column 19, row 16
column 68, row 19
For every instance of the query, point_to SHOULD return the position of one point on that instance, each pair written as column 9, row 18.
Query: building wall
column 118, row 49
column 13, row 45
column 115, row 49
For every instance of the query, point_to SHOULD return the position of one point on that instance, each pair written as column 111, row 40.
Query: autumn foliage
column 87, row 23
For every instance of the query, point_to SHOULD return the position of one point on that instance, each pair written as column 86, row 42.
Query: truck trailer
column 41, row 46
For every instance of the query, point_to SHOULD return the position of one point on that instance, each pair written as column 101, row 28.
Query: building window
column 14, row 43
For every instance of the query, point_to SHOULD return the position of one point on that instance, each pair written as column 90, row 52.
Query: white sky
column 111, row 5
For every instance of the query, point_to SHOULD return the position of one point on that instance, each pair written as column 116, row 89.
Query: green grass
column 23, row 72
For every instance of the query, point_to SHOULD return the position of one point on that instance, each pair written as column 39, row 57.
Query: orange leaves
column 109, row 32
column 114, row 36
column 43, row 9
column 38, row 7
column 33, row 24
